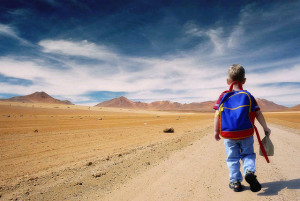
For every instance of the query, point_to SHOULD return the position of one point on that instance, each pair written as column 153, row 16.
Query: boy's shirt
column 216, row 107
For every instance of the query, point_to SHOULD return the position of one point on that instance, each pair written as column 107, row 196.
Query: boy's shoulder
column 216, row 106
column 223, row 93
column 226, row 92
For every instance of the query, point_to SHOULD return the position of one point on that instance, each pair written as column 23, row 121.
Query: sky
column 92, row 51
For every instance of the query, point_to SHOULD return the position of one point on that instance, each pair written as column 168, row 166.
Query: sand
column 199, row 172
column 63, row 152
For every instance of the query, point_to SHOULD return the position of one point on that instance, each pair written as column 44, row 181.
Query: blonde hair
column 236, row 72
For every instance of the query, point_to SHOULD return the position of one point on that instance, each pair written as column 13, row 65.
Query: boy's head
column 236, row 72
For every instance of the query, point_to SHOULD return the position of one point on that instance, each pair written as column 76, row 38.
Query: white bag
column 268, row 145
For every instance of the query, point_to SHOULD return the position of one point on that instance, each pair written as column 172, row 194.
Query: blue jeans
column 236, row 150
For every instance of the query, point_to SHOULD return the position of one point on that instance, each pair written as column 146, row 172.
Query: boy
column 240, row 147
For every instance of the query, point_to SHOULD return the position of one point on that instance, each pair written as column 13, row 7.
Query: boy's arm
column 260, row 118
column 217, row 126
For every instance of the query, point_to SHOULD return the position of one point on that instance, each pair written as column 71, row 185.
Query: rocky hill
column 294, row 108
column 37, row 97
column 269, row 106
column 123, row 102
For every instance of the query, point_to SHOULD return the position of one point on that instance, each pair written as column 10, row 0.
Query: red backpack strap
column 231, row 86
column 261, row 145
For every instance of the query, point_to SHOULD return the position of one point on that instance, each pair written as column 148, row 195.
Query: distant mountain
column 206, row 106
column 294, row 108
column 123, row 102
column 164, row 105
column 37, row 97
column 269, row 106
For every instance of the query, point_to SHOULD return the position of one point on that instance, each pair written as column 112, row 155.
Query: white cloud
column 216, row 38
column 284, row 74
column 20, row 69
column 10, row 32
column 235, row 38
column 195, row 80
column 79, row 79
column 6, row 30
column 191, row 76
column 81, row 48
column 218, row 42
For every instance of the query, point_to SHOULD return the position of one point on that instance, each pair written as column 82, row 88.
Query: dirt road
column 199, row 172
column 58, row 152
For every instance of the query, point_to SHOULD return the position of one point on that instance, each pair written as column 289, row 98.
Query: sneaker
column 236, row 186
column 251, row 179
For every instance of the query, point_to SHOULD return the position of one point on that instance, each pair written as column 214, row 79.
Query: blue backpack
column 237, row 114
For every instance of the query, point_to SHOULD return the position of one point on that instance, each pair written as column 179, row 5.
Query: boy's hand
column 217, row 136
column 267, row 132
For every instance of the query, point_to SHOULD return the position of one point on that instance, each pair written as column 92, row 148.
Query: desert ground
column 70, row 152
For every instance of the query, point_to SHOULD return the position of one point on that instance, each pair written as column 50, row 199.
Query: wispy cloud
column 77, row 48
column 10, row 32
column 80, row 68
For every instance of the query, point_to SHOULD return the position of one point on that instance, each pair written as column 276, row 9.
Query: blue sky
column 91, row 51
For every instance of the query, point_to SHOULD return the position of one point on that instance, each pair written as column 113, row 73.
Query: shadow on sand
column 273, row 188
